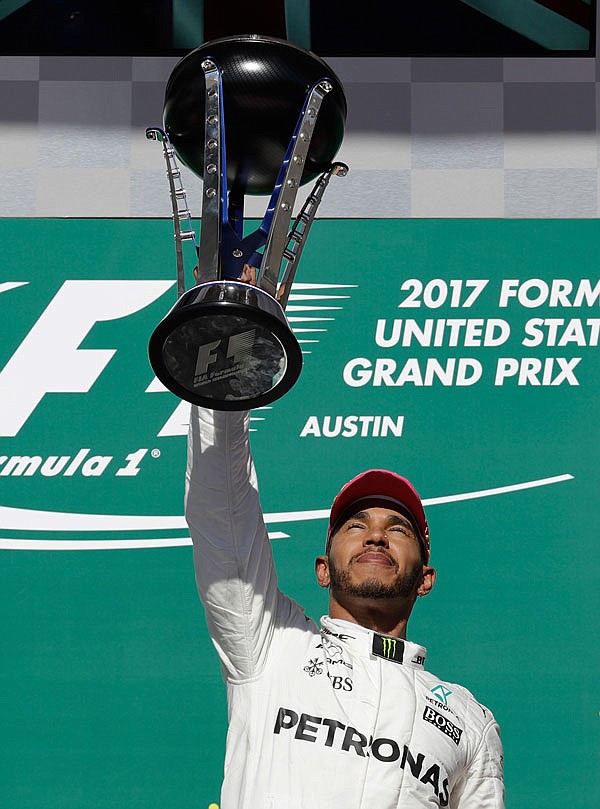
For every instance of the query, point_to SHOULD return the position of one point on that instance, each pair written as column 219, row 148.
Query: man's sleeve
column 482, row 785
column 232, row 553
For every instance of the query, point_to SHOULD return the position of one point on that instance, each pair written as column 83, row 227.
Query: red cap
column 384, row 484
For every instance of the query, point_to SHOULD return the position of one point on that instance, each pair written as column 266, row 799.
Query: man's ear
column 427, row 581
column 322, row 570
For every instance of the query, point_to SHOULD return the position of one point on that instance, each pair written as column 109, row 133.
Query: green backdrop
column 111, row 691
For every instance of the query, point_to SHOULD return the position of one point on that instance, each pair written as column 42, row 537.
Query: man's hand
column 248, row 275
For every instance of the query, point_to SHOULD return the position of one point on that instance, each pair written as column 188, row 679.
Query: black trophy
column 250, row 115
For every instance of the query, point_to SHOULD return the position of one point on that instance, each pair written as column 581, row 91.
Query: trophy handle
column 286, row 187
column 223, row 248
column 299, row 232
column 182, row 217
column 214, row 182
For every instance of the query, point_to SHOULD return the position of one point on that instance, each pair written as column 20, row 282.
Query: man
column 343, row 714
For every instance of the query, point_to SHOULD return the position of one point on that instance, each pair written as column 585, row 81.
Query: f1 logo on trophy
column 250, row 115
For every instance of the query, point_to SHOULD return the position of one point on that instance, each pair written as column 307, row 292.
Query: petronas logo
column 389, row 647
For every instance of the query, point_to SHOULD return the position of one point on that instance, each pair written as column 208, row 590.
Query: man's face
column 375, row 553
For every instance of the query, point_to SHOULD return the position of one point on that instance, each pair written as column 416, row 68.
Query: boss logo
column 442, row 723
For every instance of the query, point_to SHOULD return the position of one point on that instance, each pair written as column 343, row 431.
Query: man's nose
column 377, row 535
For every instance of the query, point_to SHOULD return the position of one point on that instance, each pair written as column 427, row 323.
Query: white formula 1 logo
column 49, row 359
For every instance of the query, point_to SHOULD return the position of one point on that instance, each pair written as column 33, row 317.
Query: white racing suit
column 326, row 716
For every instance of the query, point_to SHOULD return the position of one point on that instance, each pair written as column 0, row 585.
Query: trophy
column 249, row 115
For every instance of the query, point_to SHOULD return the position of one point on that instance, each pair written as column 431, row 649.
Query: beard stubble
column 340, row 582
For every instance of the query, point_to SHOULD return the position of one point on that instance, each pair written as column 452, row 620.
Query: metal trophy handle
column 245, row 113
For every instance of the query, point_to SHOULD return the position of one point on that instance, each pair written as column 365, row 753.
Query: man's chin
column 373, row 588
column 372, row 581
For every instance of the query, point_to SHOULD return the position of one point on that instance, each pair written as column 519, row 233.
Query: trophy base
column 226, row 345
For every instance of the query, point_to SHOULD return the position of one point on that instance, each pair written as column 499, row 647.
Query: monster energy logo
column 389, row 648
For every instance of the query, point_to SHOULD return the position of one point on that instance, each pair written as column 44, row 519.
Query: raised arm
column 232, row 553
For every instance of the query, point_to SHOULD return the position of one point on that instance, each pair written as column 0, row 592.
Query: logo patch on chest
column 388, row 648
column 314, row 667
column 442, row 723
column 442, row 693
